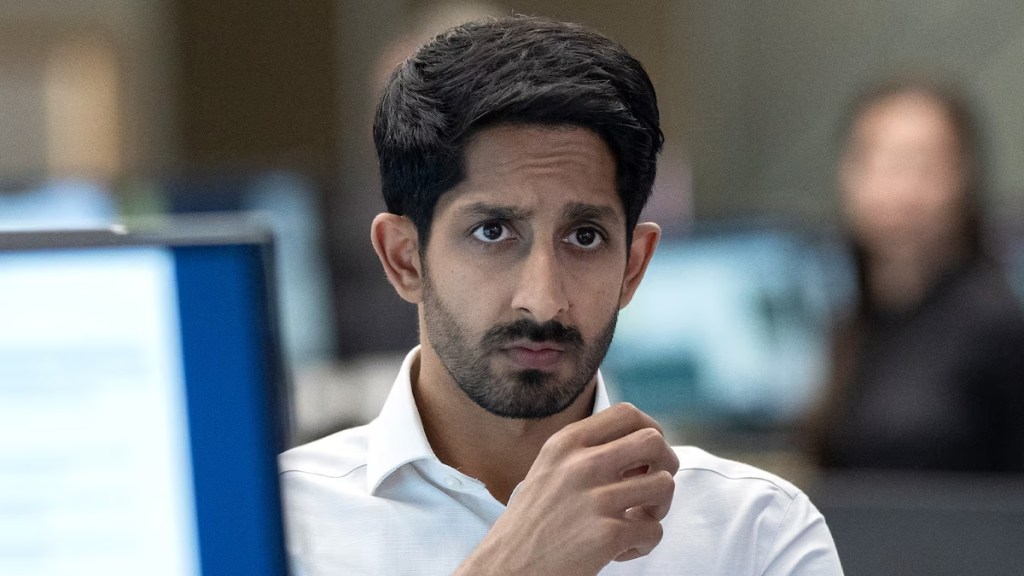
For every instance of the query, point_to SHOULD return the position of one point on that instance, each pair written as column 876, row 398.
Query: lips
column 535, row 355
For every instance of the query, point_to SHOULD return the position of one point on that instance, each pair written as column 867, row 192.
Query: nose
column 540, row 291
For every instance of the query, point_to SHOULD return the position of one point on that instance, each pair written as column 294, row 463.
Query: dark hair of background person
column 515, row 70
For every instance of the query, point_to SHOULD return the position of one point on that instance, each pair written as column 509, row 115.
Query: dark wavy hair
column 515, row 70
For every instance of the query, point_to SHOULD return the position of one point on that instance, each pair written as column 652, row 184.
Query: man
column 516, row 156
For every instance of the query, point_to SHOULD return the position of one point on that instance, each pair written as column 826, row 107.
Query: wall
column 137, row 33
column 767, row 83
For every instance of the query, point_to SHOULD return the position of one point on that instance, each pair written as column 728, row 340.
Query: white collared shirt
column 376, row 500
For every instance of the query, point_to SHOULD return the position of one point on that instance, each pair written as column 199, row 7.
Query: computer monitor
column 288, row 201
column 730, row 327
column 141, row 402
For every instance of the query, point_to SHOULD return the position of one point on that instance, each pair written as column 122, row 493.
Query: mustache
column 550, row 331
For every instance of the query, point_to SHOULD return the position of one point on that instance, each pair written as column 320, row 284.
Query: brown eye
column 585, row 238
column 491, row 232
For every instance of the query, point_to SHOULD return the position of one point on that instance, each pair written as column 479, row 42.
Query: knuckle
column 634, row 413
column 639, row 419
column 625, row 407
column 650, row 436
column 667, row 478
column 629, row 412
column 641, row 537
column 560, row 442
column 665, row 483
column 674, row 462
column 657, row 533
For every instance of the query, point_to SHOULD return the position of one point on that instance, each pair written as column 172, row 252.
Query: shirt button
column 452, row 482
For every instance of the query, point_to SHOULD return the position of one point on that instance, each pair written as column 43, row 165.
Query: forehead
column 547, row 167
column 905, row 119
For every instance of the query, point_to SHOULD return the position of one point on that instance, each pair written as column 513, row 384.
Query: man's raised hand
column 596, row 493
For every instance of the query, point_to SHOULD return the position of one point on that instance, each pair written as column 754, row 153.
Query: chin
column 529, row 395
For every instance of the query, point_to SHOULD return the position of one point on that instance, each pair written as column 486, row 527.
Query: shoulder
column 323, row 479
column 732, row 518
column 720, row 474
column 334, row 456
column 990, row 321
column 983, row 294
column 724, row 491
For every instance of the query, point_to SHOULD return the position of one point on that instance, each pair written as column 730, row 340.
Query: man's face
column 523, row 273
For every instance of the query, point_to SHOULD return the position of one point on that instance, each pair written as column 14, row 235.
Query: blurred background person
column 928, row 372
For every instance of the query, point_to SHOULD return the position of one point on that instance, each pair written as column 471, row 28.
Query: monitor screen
column 729, row 327
column 140, row 404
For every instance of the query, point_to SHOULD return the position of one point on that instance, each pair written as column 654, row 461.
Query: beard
column 521, row 394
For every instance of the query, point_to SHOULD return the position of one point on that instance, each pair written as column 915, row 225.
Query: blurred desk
column 924, row 524
column 331, row 396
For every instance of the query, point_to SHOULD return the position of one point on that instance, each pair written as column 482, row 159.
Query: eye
column 585, row 237
column 492, row 232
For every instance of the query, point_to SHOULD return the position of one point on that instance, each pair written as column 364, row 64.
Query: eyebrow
column 494, row 211
column 577, row 211
column 574, row 212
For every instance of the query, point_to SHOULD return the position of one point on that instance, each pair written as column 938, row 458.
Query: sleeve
column 802, row 545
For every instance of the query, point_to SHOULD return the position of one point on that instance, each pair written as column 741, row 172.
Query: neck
column 900, row 279
column 497, row 451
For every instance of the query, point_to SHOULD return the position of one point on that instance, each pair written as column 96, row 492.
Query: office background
column 158, row 106
column 751, row 94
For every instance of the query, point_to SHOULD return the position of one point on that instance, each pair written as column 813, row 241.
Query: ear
column 396, row 242
column 645, row 240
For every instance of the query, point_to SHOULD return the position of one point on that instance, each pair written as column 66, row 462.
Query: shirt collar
column 396, row 436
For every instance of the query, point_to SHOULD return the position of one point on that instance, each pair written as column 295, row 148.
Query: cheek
column 594, row 302
column 472, row 295
column 943, row 210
